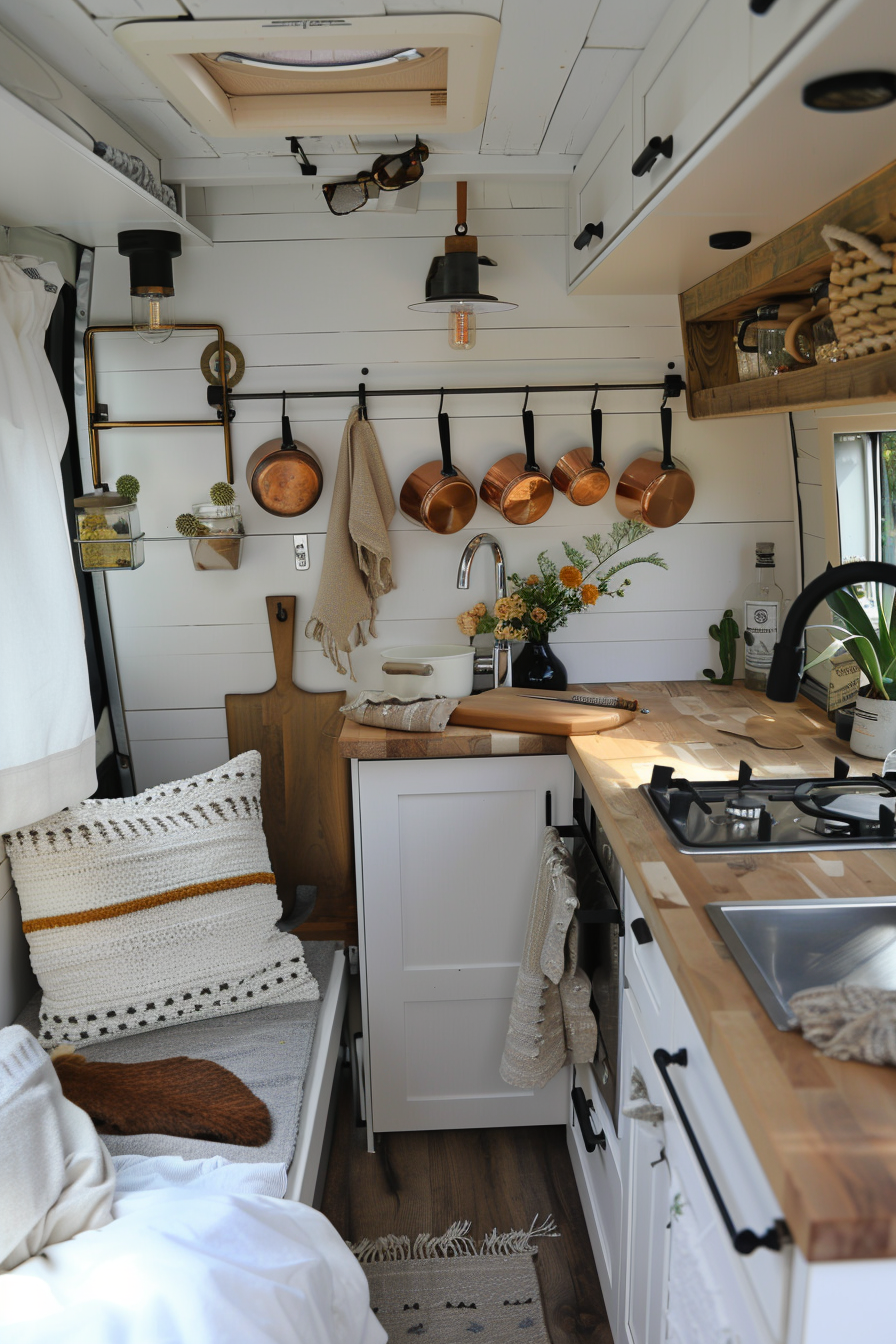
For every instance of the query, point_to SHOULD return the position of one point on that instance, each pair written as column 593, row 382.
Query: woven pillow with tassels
column 146, row 912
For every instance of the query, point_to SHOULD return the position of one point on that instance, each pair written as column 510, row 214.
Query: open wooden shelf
column 786, row 265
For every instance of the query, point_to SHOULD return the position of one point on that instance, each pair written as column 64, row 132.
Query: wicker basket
column 862, row 292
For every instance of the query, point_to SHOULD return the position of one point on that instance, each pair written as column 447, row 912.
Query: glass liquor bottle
column 763, row 603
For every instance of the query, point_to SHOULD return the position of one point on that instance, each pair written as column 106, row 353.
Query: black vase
column 539, row 668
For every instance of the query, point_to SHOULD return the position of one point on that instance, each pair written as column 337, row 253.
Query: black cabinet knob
column 760, row 6
column 641, row 931
column 584, row 1109
column 590, row 231
column 656, row 146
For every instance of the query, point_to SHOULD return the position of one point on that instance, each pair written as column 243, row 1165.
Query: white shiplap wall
column 310, row 300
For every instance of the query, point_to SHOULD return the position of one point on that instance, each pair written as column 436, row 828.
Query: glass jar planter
column 108, row 532
column 221, row 544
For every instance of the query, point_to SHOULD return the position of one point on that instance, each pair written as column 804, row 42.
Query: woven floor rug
column 450, row 1289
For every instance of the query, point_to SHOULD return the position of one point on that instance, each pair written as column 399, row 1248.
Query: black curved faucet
column 787, row 663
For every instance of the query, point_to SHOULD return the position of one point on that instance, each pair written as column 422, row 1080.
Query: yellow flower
column 504, row 608
column 539, row 615
column 467, row 622
column 590, row 594
column 505, row 631
column 479, row 609
column 570, row 577
column 532, row 580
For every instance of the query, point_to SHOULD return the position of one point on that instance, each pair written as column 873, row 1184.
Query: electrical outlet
column 300, row 542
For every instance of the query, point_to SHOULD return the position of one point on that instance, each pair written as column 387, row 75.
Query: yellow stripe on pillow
column 146, row 902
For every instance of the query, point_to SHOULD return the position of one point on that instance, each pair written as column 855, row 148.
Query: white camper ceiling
column 560, row 64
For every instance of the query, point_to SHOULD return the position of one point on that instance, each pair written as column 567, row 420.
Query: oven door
column 600, row 927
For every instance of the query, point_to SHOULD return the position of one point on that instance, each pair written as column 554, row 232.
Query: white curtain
column 47, row 752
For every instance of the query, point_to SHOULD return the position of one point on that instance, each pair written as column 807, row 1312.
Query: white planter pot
column 873, row 728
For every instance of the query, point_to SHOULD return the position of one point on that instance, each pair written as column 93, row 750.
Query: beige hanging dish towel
column 357, row 568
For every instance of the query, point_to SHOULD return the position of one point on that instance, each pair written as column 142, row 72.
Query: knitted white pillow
column 145, row 912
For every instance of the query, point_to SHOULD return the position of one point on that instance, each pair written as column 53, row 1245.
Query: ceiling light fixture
column 452, row 285
column 150, row 253
column 858, row 91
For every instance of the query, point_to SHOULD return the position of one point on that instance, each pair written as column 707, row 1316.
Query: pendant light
column 452, row 285
column 150, row 253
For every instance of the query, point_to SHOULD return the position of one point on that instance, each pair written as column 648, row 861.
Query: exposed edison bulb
column 461, row 328
column 152, row 315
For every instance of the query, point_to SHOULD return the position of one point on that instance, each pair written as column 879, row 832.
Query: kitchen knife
column 602, row 701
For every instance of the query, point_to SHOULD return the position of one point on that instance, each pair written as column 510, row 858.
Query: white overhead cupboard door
column 600, row 189
column 449, row 853
column 692, row 73
column 779, row 24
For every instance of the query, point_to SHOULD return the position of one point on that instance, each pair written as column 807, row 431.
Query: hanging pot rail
column 671, row 386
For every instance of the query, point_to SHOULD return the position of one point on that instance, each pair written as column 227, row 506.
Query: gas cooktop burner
column 742, row 815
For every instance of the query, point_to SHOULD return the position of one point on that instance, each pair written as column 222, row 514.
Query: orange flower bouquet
column 543, row 602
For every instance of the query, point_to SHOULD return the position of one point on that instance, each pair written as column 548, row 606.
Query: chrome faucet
column 498, row 664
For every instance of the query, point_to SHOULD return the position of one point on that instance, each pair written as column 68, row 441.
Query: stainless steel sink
column 785, row 946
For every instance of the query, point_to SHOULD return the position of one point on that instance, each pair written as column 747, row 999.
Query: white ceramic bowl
column 451, row 670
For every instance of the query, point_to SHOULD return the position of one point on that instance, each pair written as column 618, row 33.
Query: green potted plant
column 874, row 649
column 543, row 602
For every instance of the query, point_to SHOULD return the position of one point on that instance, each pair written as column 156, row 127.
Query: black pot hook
column 526, row 402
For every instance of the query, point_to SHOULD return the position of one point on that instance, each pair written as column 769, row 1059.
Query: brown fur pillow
column 189, row 1098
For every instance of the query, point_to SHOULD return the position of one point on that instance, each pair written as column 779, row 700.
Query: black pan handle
column 529, row 436
column 590, row 231
column 655, row 147
column 584, row 1110
column 666, row 425
column 597, row 436
column 288, row 440
column 445, row 440
column 746, row 1240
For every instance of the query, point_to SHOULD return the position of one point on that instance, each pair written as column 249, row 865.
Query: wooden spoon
column 770, row 736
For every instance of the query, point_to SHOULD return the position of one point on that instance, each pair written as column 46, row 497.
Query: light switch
column 300, row 542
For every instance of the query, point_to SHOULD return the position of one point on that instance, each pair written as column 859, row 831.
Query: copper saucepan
column 437, row 495
column 652, row 489
column 581, row 476
column 284, row 476
column 516, row 485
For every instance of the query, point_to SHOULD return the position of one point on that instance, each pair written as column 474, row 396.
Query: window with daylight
column 865, row 469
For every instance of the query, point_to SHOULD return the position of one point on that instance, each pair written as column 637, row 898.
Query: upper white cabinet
column 449, row 851
column 772, row 32
column 600, row 190
column 689, row 77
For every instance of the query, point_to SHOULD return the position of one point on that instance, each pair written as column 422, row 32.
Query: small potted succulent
column 215, row 529
column 873, row 646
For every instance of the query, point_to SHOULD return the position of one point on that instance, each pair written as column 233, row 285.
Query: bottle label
column 760, row 622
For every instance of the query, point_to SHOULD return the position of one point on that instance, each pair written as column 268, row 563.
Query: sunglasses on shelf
column 390, row 172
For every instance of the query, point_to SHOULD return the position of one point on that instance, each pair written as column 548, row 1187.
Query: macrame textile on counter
column 407, row 714
column 47, row 748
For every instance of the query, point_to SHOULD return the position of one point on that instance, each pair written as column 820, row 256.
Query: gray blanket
column 268, row 1048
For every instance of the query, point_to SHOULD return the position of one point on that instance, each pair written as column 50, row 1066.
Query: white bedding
column 194, row 1255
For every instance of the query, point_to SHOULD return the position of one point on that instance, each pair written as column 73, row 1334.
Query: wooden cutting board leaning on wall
column 305, row 785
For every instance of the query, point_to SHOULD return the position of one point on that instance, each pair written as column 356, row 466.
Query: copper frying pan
column 652, row 489
column 437, row 495
column 581, row 476
column 285, row 477
column 516, row 485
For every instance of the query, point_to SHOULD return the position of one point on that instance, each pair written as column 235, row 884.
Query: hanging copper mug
column 579, row 475
column 437, row 495
column 516, row 485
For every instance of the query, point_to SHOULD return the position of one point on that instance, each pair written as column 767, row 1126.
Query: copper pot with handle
column 516, row 485
column 284, row 476
column 437, row 495
column 652, row 489
column 579, row 475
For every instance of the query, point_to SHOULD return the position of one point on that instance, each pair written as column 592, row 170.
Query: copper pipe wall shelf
column 98, row 414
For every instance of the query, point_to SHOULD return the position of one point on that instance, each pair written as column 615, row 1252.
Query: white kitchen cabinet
column 691, row 74
column 599, row 1181
column 647, row 1192
column 773, row 32
column 448, row 855
column 600, row 189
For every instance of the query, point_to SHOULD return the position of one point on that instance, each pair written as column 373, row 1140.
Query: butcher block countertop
column 362, row 743
column 824, row 1131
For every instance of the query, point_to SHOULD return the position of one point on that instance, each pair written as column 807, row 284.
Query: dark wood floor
column 494, row 1177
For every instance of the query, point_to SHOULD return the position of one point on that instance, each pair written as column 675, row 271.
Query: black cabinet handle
column 590, row 231
column 655, row 147
column 746, row 1240
column 641, row 931
column 760, row 6
column 584, row 1108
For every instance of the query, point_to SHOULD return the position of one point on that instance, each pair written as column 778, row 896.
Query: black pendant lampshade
column 150, row 253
